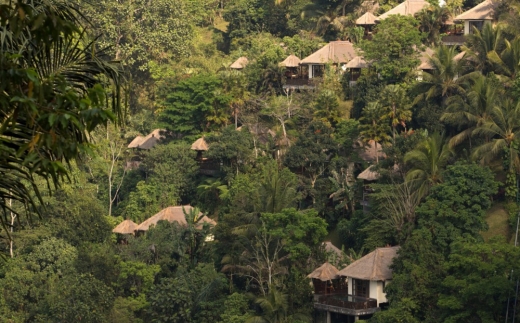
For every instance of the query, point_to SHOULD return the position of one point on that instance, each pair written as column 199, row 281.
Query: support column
column 356, row 318
column 328, row 317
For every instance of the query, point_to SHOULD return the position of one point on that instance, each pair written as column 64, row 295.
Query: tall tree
column 427, row 162
column 52, row 95
column 393, row 48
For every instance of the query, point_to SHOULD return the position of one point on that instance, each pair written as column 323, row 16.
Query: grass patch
column 497, row 219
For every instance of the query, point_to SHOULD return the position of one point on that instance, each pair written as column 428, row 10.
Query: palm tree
column 274, row 308
column 373, row 127
column 427, row 162
column 472, row 110
column 507, row 62
column 448, row 77
column 482, row 44
column 395, row 100
column 503, row 127
column 52, row 95
column 432, row 20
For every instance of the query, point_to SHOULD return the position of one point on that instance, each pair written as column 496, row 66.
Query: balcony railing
column 299, row 83
column 453, row 40
column 347, row 304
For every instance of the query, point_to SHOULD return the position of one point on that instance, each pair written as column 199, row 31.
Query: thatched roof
column 291, row 61
column 459, row 56
column 357, row 62
column 407, row 8
column 371, row 152
column 125, row 227
column 329, row 247
column 369, row 174
column 334, row 52
column 483, row 11
column 147, row 142
column 325, row 272
column 173, row 214
column 240, row 63
column 426, row 55
column 204, row 220
column 367, row 18
column 374, row 266
column 200, row 144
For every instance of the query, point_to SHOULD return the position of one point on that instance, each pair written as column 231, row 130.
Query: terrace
column 346, row 304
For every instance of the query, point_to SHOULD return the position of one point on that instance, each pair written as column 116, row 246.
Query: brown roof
column 374, row 266
column 329, row 247
column 357, row 62
column 240, row 63
column 334, row 52
column 125, row 227
column 483, row 11
column 207, row 220
column 369, row 174
column 459, row 56
column 366, row 19
column 147, row 142
column 291, row 61
column 173, row 214
column 200, row 144
column 325, row 272
column 426, row 55
column 368, row 153
column 407, row 8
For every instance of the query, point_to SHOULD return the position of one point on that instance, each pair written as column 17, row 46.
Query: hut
column 292, row 66
column 326, row 280
column 425, row 66
column 355, row 66
column 174, row 214
column 368, row 276
column 200, row 145
column 126, row 227
column 406, row 8
column 367, row 21
column 337, row 53
column 147, row 142
column 371, row 152
column 477, row 16
column 240, row 63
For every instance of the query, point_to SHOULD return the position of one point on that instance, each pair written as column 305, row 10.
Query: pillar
column 356, row 318
column 328, row 317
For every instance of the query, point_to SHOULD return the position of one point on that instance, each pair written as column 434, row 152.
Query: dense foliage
column 275, row 168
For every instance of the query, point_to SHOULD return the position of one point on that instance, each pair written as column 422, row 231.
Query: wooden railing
column 348, row 301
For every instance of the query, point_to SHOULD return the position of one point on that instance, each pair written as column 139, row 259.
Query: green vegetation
column 276, row 167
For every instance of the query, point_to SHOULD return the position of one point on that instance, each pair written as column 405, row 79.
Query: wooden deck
column 347, row 304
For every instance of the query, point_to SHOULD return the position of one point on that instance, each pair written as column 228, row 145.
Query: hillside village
column 241, row 161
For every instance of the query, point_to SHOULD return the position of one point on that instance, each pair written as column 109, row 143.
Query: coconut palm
column 507, row 62
column 399, row 110
column 448, row 77
column 274, row 308
column 431, row 21
column 373, row 127
column 427, row 162
column 473, row 110
column 52, row 94
column 482, row 44
column 503, row 127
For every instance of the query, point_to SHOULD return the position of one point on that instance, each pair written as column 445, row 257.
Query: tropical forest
column 259, row 161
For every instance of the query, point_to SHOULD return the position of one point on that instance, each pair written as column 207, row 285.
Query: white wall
column 350, row 286
column 466, row 27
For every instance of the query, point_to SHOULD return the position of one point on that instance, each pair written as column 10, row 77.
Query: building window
column 317, row 70
column 360, row 287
